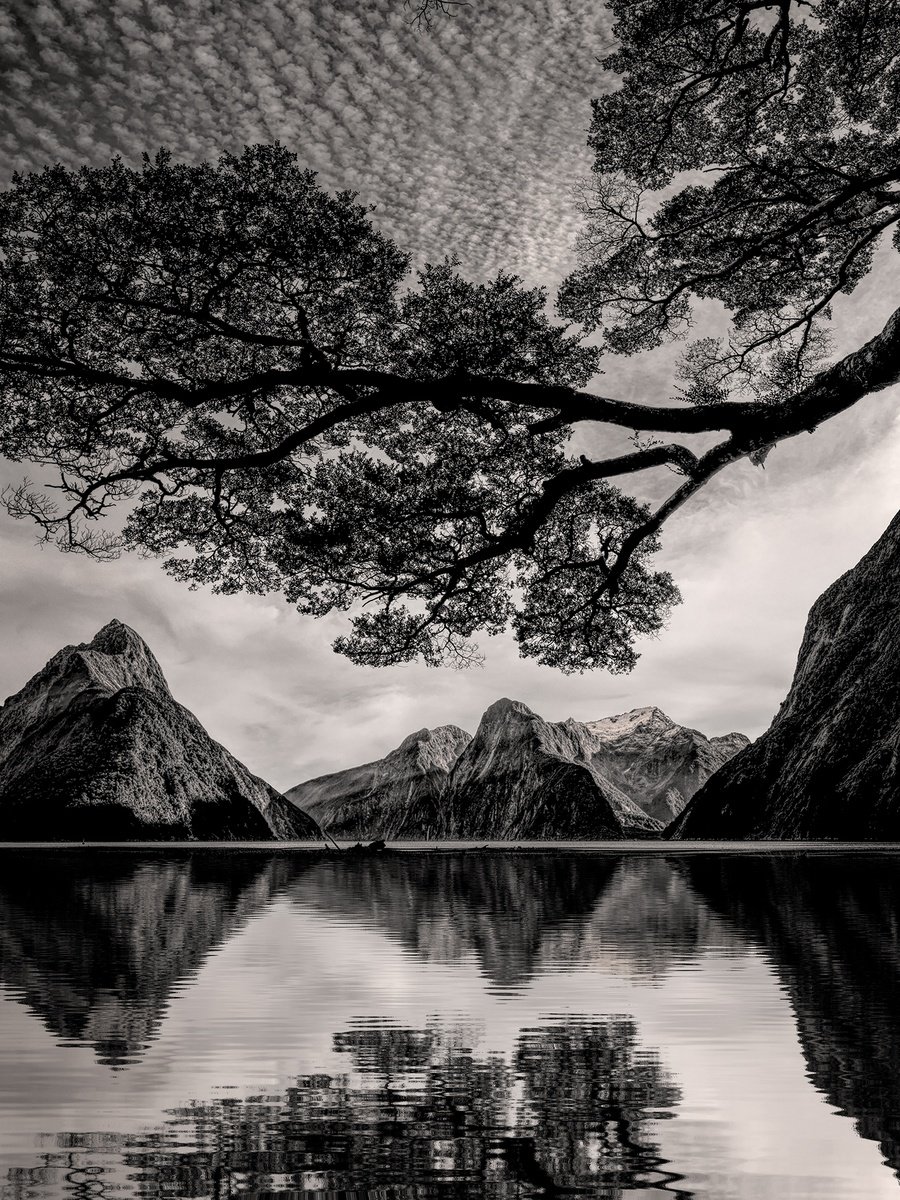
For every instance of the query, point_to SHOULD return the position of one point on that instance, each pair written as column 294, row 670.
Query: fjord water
column 449, row 1024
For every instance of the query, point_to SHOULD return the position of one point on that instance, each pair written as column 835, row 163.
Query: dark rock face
column 523, row 777
column 95, row 747
column 659, row 764
column 399, row 796
column 829, row 764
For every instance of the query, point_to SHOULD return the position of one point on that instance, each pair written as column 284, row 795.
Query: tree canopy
column 243, row 363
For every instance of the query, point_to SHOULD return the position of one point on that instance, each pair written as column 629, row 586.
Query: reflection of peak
column 647, row 920
column 446, row 906
column 98, row 953
column 522, row 912
column 94, row 746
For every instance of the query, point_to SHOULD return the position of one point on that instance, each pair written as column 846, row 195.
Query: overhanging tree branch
column 279, row 407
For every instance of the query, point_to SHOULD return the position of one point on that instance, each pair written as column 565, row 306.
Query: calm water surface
column 452, row 1024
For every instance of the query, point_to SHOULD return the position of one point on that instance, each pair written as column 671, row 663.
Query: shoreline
column 648, row 846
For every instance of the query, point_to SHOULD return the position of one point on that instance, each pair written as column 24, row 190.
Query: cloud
column 467, row 136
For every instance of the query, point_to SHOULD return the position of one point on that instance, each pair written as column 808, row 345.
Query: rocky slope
column 829, row 764
column 95, row 747
column 394, row 797
column 659, row 764
column 523, row 777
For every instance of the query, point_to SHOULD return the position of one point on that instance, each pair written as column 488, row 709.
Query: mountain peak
column 521, row 776
column 504, row 708
column 118, row 657
column 627, row 722
column 400, row 795
column 94, row 745
column 440, row 735
column 114, row 637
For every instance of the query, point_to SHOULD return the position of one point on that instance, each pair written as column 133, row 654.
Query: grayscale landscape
column 450, row 597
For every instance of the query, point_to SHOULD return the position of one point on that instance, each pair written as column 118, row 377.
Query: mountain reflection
column 95, row 944
column 499, row 907
column 418, row 1114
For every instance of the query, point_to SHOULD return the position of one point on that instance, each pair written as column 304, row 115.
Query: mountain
column 829, row 765
column 659, row 764
column 394, row 797
column 524, row 777
column 95, row 747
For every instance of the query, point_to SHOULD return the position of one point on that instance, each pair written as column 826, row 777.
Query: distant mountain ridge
column 95, row 747
column 523, row 777
column 393, row 797
column 655, row 761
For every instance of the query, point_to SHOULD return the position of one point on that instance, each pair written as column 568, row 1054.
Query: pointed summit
column 657, row 762
column 524, row 777
column 95, row 747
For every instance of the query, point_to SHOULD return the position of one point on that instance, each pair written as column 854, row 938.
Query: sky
column 467, row 136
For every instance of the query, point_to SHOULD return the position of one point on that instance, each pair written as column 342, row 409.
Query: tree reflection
column 419, row 1113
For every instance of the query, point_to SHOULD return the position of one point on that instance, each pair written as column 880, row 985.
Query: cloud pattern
column 466, row 134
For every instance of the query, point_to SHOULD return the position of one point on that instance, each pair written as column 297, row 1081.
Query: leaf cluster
column 222, row 346
column 750, row 157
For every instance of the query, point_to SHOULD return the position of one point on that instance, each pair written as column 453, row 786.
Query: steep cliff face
column 523, row 777
column 94, row 746
column 659, row 764
column 398, row 796
column 829, row 765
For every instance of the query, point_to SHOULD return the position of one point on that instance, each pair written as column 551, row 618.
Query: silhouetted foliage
column 242, row 359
